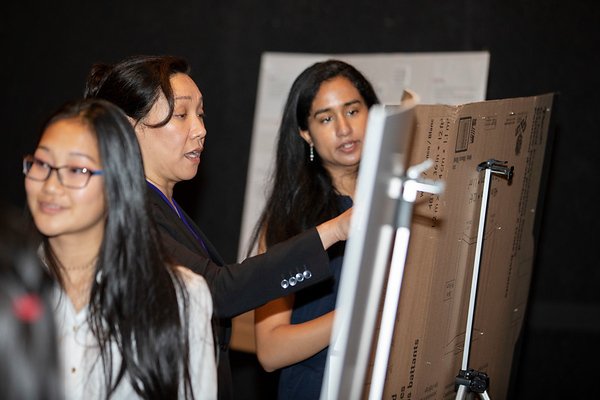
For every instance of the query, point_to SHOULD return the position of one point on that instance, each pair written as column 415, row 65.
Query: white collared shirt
column 82, row 365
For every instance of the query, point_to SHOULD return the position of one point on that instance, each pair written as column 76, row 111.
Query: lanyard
column 179, row 211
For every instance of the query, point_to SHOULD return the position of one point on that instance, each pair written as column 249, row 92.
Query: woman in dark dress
column 318, row 154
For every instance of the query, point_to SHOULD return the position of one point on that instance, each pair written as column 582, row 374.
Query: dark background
column 536, row 47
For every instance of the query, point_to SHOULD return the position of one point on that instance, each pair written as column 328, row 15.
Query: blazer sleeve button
column 285, row 284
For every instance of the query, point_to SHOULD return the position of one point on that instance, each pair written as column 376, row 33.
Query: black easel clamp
column 475, row 381
column 498, row 167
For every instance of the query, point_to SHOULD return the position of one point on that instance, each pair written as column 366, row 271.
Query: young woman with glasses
column 130, row 325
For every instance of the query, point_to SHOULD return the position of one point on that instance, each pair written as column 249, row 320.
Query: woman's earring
column 312, row 153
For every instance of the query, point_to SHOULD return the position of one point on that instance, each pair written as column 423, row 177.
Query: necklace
column 82, row 267
column 77, row 284
column 77, row 290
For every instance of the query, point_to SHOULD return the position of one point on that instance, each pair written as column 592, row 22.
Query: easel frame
column 524, row 122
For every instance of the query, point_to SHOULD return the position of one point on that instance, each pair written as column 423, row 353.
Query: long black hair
column 302, row 194
column 134, row 297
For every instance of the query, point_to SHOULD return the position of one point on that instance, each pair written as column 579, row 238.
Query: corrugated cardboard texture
column 426, row 354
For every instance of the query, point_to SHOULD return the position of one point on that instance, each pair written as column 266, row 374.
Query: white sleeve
column 203, row 369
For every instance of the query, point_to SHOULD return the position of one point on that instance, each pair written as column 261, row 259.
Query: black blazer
column 236, row 288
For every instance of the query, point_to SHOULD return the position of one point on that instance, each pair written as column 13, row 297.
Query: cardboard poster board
column 426, row 353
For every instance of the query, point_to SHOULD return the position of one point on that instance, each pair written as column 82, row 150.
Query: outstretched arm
column 237, row 288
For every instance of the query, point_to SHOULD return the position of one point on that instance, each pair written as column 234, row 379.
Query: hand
column 336, row 229
column 343, row 224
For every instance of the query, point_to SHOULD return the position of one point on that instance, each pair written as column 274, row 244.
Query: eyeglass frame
column 30, row 159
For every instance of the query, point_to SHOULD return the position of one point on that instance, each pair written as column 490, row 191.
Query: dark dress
column 303, row 380
column 237, row 288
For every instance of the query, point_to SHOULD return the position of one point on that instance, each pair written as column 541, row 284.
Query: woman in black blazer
column 166, row 108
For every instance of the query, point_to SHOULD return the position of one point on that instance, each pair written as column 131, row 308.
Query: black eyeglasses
column 69, row 176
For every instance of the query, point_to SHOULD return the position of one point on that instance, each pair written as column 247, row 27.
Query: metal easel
column 468, row 379
column 405, row 190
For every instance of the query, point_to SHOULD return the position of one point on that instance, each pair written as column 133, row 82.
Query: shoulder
column 191, row 279
column 196, row 286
